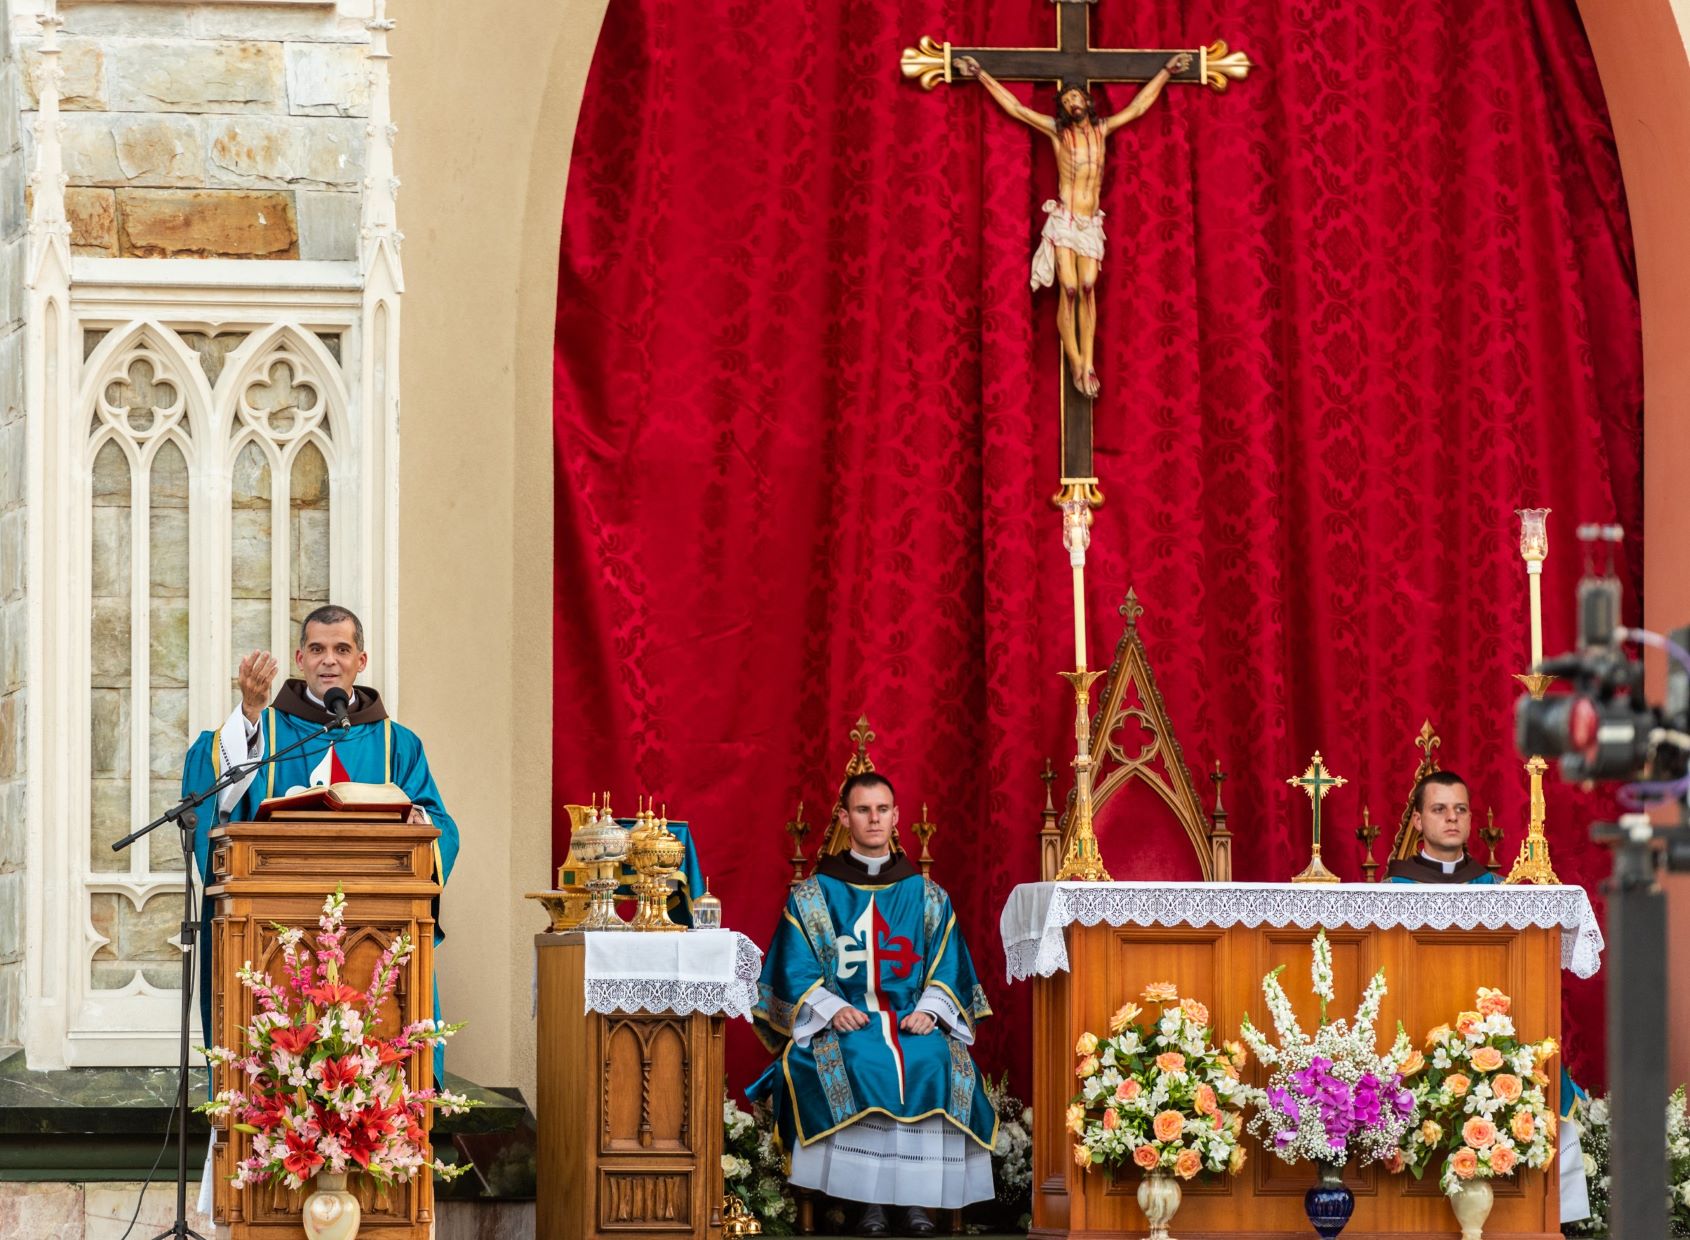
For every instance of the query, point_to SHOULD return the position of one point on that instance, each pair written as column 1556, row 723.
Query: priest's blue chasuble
column 370, row 753
column 879, row 947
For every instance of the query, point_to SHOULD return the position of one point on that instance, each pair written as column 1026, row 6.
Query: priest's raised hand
column 869, row 1000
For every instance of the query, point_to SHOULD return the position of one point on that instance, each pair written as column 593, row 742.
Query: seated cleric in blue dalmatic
column 869, row 998
column 372, row 750
column 1443, row 818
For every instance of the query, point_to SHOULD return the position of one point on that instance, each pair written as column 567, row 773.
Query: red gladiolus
column 302, row 1157
column 293, row 1041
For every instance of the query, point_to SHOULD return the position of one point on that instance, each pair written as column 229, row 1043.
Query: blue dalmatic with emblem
column 378, row 752
column 879, row 947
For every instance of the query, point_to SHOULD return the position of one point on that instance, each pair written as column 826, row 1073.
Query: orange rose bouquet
column 1481, row 1097
column 1156, row 1093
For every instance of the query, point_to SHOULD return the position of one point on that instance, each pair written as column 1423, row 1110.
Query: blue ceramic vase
column 1329, row 1203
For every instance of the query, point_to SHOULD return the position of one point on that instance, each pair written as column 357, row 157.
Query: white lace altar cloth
column 1034, row 919
column 710, row 971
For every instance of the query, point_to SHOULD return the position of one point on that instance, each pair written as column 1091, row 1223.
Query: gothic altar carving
column 1133, row 745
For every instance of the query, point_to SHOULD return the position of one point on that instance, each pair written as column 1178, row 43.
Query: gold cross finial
column 1317, row 781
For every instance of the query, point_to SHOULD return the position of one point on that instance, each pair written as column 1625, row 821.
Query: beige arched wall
column 485, row 96
column 1640, row 48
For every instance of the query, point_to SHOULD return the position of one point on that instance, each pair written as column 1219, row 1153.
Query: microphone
column 337, row 701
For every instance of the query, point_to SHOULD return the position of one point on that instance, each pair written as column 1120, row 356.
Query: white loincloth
column 930, row 1163
column 1082, row 234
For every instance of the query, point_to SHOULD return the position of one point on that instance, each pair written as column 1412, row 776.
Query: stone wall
column 211, row 131
column 13, row 248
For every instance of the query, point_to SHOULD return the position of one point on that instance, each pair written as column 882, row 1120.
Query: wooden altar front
column 1432, row 974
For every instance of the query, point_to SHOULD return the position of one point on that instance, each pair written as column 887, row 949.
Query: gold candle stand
column 1083, row 862
column 1533, row 865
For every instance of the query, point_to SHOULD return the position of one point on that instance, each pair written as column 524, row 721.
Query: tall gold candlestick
column 1533, row 864
column 1083, row 861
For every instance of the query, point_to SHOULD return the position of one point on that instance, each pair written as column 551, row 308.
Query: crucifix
column 1075, row 66
column 1070, row 254
column 1317, row 781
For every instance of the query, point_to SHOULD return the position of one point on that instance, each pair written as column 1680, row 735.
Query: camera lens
column 1542, row 728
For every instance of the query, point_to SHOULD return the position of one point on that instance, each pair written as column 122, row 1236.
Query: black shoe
column 873, row 1222
column 917, row 1223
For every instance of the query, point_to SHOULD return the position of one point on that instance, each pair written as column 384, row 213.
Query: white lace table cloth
column 1036, row 915
column 710, row 971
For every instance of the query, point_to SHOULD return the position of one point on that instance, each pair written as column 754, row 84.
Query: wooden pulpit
column 630, row 1112
column 279, row 872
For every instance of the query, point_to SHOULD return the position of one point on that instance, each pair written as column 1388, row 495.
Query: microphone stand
column 184, row 816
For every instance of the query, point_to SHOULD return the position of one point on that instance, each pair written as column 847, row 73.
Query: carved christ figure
column 1071, row 246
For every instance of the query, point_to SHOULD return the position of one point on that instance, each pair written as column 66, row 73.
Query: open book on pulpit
column 378, row 801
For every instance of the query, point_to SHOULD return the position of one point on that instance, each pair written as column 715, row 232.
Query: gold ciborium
column 656, row 856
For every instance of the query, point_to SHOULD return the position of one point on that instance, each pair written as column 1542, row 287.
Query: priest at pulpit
column 869, row 999
column 372, row 749
column 1443, row 822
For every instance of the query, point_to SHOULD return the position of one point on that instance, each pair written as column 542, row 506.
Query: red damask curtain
column 1354, row 312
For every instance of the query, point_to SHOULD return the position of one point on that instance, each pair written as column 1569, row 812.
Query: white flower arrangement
column 1678, row 1164
column 752, row 1167
column 1012, row 1157
column 1596, row 1134
column 1331, row 1098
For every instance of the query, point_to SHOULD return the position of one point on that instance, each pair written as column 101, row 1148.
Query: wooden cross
column 1074, row 62
column 1317, row 781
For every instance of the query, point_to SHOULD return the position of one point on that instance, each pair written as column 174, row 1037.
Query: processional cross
column 1071, row 252
column 1317, row 781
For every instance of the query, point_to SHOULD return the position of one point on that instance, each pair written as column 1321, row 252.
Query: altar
column 1086, row 948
